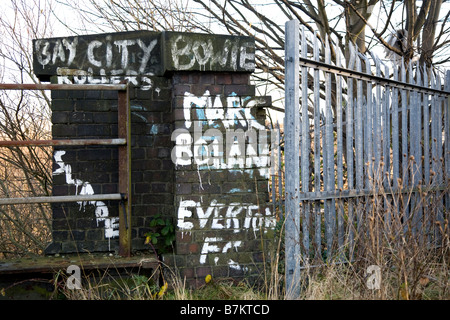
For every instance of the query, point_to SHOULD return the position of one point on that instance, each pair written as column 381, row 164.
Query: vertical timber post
column 292, row 131
column 124, row 173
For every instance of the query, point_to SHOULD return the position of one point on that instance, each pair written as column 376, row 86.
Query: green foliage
column 162, row 234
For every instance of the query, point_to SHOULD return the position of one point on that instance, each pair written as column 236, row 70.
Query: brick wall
column 200, row 148
column 93, row 114
column 221, row 188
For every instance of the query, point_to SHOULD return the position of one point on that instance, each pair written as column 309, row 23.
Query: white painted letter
column 90, row 53
column 123, row 48
column 184, row 213
column 147, row 51
column 177, row 53
column 41, row 53
column 72, row 47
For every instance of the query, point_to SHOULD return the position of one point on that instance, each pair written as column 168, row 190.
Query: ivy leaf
column 153, row 223
column 165, row 230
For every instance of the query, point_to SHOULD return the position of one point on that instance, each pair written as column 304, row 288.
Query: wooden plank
column 447, row 136
column 439, row 156
column 439, row 130
column 395, row 134
column 340, row 160
column 414, row 110
column 329, row 160
column 405, row 155
column 386, row 123
column 418, row 124
column 47, row 264
column 275, row 141
column 426, row 130
column 305, row 147
column 317, row 157
column 426, row 146
column 349, row 146
column 292, row 130
column 413, row 161
column 359, row 147
column 434, row 133
column 280, row 178
column 386, row 150
column 377, row 123
column 405, row 137
column 368, row 132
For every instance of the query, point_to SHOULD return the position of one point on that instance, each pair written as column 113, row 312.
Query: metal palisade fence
column 361, row 136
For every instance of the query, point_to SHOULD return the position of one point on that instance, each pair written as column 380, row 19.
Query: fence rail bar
column 76, row 142
column 72, row 87
column 55, row 199
column 124, row 145
column 327, row 195
column 124, row 132
column 367, row 77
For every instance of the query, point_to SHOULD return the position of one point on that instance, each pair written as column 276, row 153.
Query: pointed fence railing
column 360, row 135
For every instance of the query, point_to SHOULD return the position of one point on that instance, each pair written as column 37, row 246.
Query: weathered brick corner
column 200, row 147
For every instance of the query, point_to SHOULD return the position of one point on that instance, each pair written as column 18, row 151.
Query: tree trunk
column 429, row 30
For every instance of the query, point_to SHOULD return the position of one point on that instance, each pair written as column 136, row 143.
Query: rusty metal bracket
column 123, row 199
column 124, row 131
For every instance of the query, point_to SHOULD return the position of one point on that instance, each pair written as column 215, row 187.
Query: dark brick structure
column 200, row 149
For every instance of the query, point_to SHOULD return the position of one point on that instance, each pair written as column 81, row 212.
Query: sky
column 71, row 18
column 377, row 20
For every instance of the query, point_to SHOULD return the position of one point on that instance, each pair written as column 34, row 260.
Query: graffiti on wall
column 136, row 57
column 111, row 224
column 233, row 139
column 113, row 56
column 188, row 52
column 222, row 133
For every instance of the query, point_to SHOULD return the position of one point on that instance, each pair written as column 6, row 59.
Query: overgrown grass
column 404, row 234
column 111, row 286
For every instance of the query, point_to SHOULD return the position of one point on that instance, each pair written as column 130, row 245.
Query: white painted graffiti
column 45, row 56
column 186, row 52
column 85, row 188
column 69, row 76
column 233, row 140
column 99, row 54
column 210, row 149
column 132, row 56
column 215, row 245
column 221, row 216
column 117, row 60
column 212, row 111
